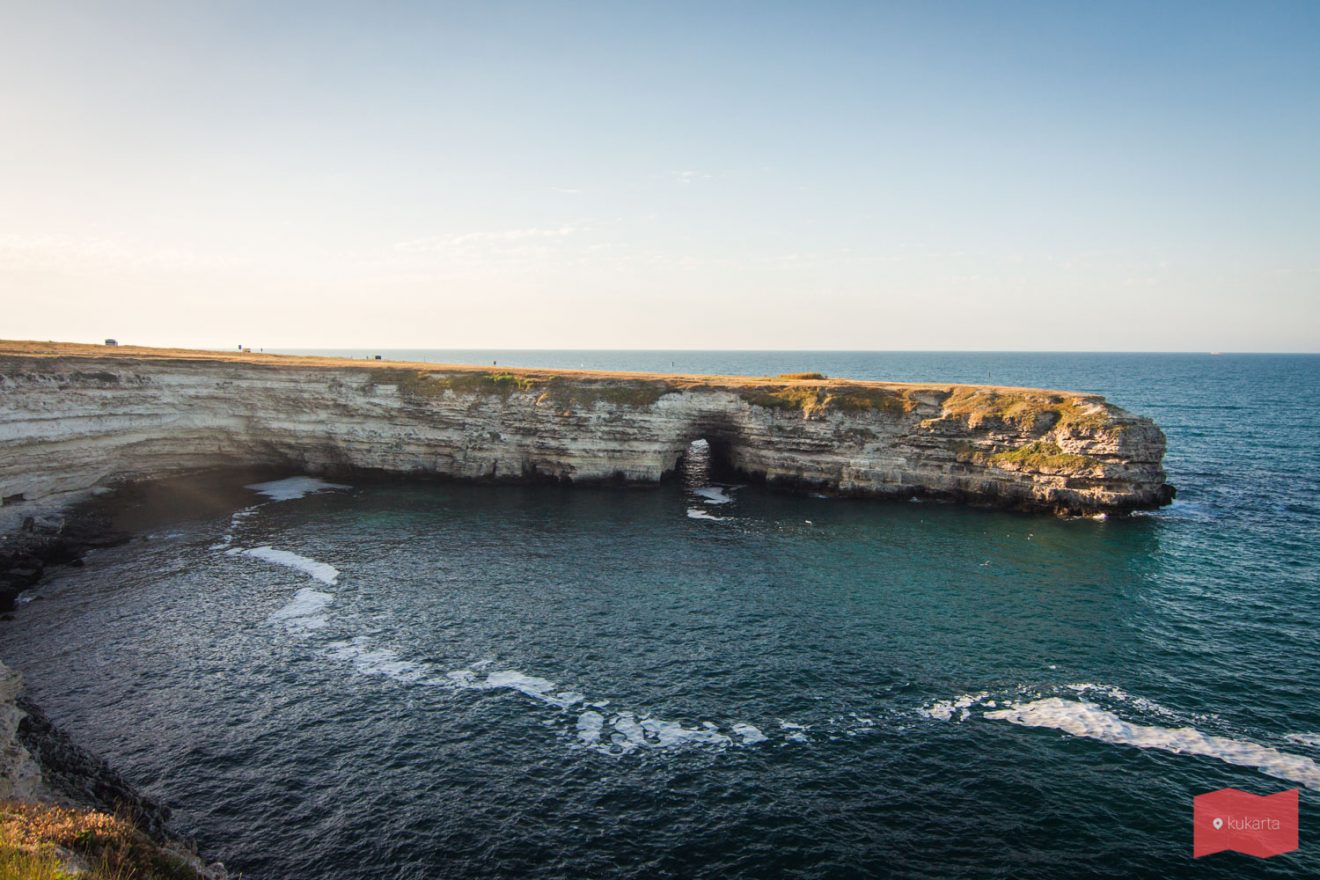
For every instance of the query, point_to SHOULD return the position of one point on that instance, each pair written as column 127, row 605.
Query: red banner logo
column 1258, row 825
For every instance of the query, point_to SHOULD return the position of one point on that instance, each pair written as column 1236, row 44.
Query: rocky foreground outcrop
column 69, row 813
column 74, row 418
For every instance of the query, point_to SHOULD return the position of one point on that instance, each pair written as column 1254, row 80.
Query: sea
column 404, row 678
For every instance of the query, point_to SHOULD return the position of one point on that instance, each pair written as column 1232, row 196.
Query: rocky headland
column 78, row 421
column 75, row 419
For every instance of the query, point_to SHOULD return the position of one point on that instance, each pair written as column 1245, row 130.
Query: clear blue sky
column 1062, row 175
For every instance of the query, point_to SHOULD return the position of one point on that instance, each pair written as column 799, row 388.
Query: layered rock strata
column 77, row 418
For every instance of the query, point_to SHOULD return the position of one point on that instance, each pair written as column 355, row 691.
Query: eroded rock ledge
column 77, row 417
column 57, row 798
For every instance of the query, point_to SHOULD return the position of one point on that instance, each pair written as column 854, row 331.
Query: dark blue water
column 547, row 682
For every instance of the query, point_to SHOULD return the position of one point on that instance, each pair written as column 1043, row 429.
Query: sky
column 715, row 175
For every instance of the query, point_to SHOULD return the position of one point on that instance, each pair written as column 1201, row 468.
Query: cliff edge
column 77, row 417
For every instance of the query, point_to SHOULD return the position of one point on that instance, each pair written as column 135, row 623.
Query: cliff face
column 73, row 418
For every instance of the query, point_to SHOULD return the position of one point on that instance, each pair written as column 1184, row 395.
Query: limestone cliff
column 73, row 418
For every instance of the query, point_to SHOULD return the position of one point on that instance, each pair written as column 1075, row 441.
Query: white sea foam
column 713, row 495
column 589, row 727
column 626, row 732
column 511, row 679
column 632, row 733
column 227, row 538
column 304, row 611
column 794, row 732
column 292, row 488
column 1146, row 705
column 1084, row 719
column 750, row 734
column 698, row 513
column 377, row 661
column 962, row 706
column 944, row 710
column 622, row 733
column 323, row 572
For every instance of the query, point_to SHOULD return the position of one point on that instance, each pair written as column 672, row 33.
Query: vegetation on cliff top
column 44, row 842
column 564, row 391
column 821, row 398
column 810, row 394
column 1033, row 410
column 1038, row 455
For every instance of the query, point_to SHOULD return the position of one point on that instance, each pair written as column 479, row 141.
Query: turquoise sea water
column 579, row 682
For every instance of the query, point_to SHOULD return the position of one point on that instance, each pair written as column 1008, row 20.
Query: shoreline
column 46, row 777
column 50, row 786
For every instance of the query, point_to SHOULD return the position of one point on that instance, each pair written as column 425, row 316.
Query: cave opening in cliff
column 705, row 461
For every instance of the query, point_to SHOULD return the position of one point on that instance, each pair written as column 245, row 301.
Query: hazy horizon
column 747, row 177
column 357, row 349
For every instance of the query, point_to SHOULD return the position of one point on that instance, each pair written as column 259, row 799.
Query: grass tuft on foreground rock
column 40, row 841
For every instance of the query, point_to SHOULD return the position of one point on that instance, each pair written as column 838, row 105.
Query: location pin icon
column 1218, row 823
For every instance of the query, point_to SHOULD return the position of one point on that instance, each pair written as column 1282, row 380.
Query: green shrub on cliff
column 411, row 383
column 861, row 398
column 578, row 394
column 564, row 391
column 1025, row 409
column 1041, row 455
column 810, row 399
column 794, row 397
column 498, row 384
column 417, row 385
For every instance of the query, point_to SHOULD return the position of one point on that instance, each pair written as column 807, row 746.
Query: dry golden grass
column 678, row 381
column 29, row 824
column 32, row 835
column 17, row 863
column 1030, row 409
